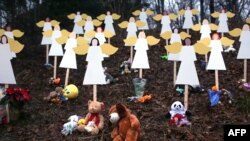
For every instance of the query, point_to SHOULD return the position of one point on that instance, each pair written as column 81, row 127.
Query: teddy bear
column 178, row 115
column 56, row 96
column 94, row 120
column 127, row 125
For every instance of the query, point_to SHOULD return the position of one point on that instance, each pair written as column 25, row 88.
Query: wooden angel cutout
column 100, row 35
column 165, row 21
column 188, row 17
column 223, row 18
column 143, row 16
column 6, row 72
column 187, row 74
column 141, row 46
column 12, row 34
column 78, row 17
column 108, row 21
column 131, row 26
column 205, row 30
column 89, row 26
column 56, row 48
column 216, row 61
column 46, row 25
column 94, row 74
column 69, row 57
column 244, row 51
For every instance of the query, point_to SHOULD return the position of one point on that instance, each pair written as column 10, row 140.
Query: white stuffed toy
column 70, row 126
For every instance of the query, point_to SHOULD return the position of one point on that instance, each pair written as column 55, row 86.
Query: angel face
column 165, row 13
column 57, row 27
column 72, row 35
column 89, row 18
column 8, row 28
column 132, row 19
column 177, row 106
column 78, row 13
column 142, row 35
column 176, row 30
column 4, row 39
column 245, row 27
column 99, row 29
column 205, row 22
column 187, row 41
column 94, row 42
column 108, row 12
column 215, row 36
column 143, row 10
column 47, row 19
column 188, row 8
column 223, row 11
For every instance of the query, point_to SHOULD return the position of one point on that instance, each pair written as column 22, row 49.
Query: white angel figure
column 244, row 51
column 188, row 22
column 6, row 71
column 47, row 26
column 165, row 21
column 89, row 26
column 56, row 48
column 77, row 29
column 143, row 16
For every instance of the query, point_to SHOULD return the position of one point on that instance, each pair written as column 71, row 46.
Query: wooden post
column 7, row 107
column 222, row 34
column 55, row 65
column 47, row 54
column 131, row 54
column 140, row 73
column 95, row 92
column 186, row 97
column 245, row 69
column 175, row 65
column 188, row 31
column 206, row 58
column 66, row 78
column 217, row 79
column 109, row 40
column 167, row 45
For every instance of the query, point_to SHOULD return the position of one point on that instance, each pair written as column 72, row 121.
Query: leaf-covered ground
column 43, row 121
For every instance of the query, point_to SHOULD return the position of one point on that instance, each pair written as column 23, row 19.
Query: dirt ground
column 43, row 121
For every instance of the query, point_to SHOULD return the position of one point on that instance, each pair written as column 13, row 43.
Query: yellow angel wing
column 136, row 13
column 48, row 33
column 54, row 22
column 184, row 35
column 157, row 17
column 166, row 35
column 174, row 48
column 201, row 48
column 205, row 41
column 81, row 41
column 62, row 40
column 230, row 14
column 116, row 16
column 172, row 16
column 215, row 15
column 248, row 20
column 196, row 27
column 108, row 34
column 90, row 34
column 15, row 46
column 40, row 24
column 84, row 16
column 140, row 23
column 235, row 32
column 17, row 33
column 81, row 49
column 81, row 23
column 1, row 32
column 195, row 12
column 71, row 16
column 65, row 33
column 101, row 17
column 149, row 12
column 152, row 40
column 130, row 41
column 123, row 24
column 108, row 49
column 226, row 41
column 181, row 12
column 97, row 22
column 213, row 27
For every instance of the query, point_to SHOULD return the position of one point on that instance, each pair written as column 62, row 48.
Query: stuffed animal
column 178, row 115
column 109, row 78
column 70, row 91
column 125, row 67
column 243, row 85
column 71, row 125
column 93, row 116
column 56, row 96
column 127, row 124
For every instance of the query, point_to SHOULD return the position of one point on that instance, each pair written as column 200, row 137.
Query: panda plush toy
column 178, row 115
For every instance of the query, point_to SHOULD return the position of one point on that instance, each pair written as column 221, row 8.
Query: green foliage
column 243, row 103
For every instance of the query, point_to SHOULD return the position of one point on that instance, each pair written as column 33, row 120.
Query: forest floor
column 43, row 121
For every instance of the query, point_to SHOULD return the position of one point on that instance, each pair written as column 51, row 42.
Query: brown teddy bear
column 94, row 121
column 56, row 96
column 127, row 124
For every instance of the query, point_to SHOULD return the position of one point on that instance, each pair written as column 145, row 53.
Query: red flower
column 18, row 94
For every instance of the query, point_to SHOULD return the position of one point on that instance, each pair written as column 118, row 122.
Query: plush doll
column 178, row 115
column 125, row 67
column 56, row 96
column 243, row 85
column 127, row 124
column 94, row 121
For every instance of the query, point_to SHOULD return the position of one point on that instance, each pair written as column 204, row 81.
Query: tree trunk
column 212, row 10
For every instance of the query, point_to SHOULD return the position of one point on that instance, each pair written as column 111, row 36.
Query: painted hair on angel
column 91, row 42
column 6, row 39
